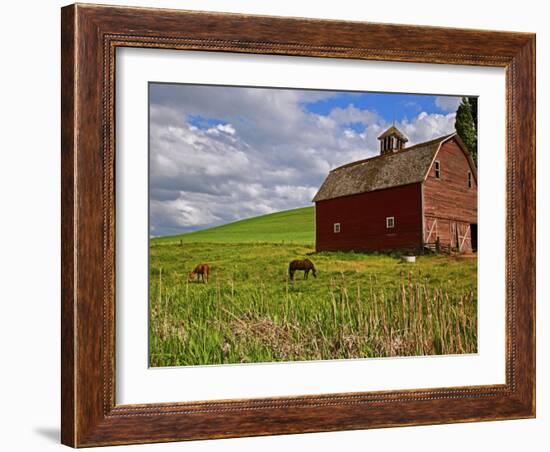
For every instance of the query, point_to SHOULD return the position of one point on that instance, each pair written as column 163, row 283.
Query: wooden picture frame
column 90, row 36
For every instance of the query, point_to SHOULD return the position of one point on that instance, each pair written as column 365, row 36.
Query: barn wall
column 449, row 201
column 362, row 220
column 449, row 197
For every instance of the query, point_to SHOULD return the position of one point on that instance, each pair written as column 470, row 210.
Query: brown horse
column 306, row 265
column 201, row 271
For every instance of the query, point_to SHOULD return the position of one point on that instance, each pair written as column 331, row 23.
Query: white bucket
column 410, row 259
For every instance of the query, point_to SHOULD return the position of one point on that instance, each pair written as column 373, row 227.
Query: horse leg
column 291, row 275
column 305, row 273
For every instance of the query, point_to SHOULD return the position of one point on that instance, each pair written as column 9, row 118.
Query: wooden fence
column 437, row 247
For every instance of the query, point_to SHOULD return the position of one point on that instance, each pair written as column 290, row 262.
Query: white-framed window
column 336, row 228
column 390, row 222
column 469, row 179
column 437, row 169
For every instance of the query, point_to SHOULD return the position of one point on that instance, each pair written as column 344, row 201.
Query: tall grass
column 360, row 306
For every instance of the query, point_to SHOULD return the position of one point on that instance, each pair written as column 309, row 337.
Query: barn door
column 463, row 237
column 430, row 230
column 454, row 235
column 460, row 234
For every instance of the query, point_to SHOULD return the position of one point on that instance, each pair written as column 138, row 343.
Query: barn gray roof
column 407, row 166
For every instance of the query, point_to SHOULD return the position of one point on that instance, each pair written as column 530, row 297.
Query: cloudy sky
column 220, row 154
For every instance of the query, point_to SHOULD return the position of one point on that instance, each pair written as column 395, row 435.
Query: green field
column 289, row 226
column 360, row 305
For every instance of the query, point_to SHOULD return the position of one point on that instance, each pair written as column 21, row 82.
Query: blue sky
column 219, row 154
column 389, row 106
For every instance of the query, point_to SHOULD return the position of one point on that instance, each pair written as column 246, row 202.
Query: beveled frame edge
column 90, row 35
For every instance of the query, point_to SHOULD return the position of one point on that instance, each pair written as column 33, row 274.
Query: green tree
column 466, row 124
column 473, row 105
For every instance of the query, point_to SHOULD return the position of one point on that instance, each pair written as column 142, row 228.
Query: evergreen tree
column 473, row 105
column 466, row 125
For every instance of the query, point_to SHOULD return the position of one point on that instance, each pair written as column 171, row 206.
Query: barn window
column 437, row 169
column 336, row 228
column 469, row 179
column 390, row 222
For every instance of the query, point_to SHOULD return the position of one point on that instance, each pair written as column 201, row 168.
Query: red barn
column 403, row 199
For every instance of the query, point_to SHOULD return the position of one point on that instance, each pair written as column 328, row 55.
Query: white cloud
column 180, row 214
column 266, row 153
column 220, row 128
column 426, row 126
column 227, row 128
column 351, row 114
column 447, row 103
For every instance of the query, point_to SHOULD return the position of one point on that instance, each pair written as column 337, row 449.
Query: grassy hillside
column 289, row 226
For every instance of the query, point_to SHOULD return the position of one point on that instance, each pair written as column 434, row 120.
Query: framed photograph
column 282, row 225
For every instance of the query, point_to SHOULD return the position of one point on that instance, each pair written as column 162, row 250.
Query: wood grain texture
column 68, row 244
column 90, row 36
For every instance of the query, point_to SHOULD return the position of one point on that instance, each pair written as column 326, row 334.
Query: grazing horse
column 306, row 265
column 201, row 271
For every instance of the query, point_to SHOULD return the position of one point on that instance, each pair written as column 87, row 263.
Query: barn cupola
column 392, row 140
